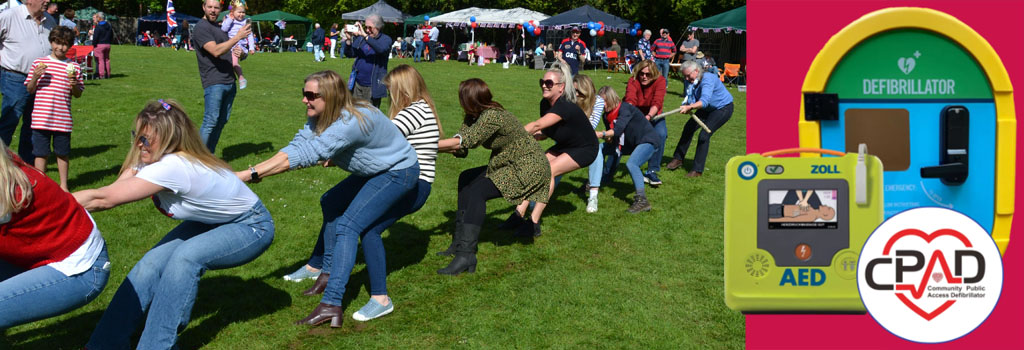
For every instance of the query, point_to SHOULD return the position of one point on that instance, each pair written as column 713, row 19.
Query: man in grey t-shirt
column 213, row 52
column 689, row 47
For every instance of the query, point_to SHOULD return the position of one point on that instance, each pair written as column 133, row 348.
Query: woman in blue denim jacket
column 358, row 138
column 224, row 225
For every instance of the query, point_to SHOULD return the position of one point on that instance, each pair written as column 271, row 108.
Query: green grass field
column 605, row 280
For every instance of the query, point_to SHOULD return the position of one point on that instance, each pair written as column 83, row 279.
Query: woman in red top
column 646, row 91
column 52, row 257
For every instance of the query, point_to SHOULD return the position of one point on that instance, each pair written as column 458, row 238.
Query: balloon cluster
column 472, row 21
column 635, row 30
column 531, row 27
column 596, row 28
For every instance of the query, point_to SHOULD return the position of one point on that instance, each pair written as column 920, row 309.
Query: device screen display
column 803, row 208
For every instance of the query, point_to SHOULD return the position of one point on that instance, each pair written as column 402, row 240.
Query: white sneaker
column 592, row 204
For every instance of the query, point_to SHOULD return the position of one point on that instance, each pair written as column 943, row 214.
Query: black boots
column 319, row 286
column 513, row 222
column 455, row 236
column 323, row 313
column 465, row 251
column 528, row 229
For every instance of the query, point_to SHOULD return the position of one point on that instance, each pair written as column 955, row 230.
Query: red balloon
column 536, row 31
column 600, row 32
column 519, row 26
column 473, row 25
column 601, row 23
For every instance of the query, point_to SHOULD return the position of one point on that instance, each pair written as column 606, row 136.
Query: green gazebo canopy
column 274, row 16
column 86, row 14
column 735, row 20
column 418, row 19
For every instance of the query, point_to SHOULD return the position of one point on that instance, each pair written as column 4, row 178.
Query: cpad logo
column 930, row 275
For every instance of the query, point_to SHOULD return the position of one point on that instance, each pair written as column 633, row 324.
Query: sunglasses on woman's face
column 647, row 74
column 548, row 83
column 309, row 95
column 140, row 138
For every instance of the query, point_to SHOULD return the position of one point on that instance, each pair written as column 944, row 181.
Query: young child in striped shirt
column 233, row 22
column 54, row 80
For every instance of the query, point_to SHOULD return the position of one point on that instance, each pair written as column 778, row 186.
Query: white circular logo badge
column 930, row 275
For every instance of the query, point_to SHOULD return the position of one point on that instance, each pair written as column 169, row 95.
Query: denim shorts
column 41, row 143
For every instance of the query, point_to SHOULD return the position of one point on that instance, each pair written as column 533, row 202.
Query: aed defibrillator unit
column 794, row 228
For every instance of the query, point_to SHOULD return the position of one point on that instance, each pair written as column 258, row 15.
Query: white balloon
column 593, row 32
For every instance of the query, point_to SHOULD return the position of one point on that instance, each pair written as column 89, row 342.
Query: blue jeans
column 661, row 128
column 663, row 67
column 17, row 104
column 611, row 161
column 419, row 51
column 217, row 100
column 640, row 154
column 166, row 279
column 318, row 52
column 596, row 168
column 42, row 292
column 363, row 209
column 316, row 258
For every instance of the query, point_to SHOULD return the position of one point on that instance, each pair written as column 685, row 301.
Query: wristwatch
column 253, row 174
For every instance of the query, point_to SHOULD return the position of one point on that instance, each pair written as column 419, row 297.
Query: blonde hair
column 176, row 134
column 565, row 77
column 407, row 86
column 611, row 98
column 337, row 99
column 236, row 4
column 646, row 64
column 13, row 183
column 585, row 86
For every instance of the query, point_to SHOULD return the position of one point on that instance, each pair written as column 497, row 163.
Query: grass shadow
column 79, row 152
column 233, row 152
column 73, row 332
column 224, row 300
column 88, row 178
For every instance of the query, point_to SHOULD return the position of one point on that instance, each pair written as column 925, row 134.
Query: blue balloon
column 636, row 25
column 632, row 32
column 472, row 18
column 426, row 18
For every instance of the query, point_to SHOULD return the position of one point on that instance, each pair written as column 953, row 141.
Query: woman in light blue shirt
column 356, row 137
column 713, row 104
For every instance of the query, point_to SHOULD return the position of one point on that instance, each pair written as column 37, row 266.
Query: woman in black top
column 575, row 143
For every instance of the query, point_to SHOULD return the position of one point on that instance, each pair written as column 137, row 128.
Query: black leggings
column 474, row 191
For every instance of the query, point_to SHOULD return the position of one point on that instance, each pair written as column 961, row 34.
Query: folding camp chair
column 83, row 56
column 615, row 63
column 731, row 74
column 549, row 59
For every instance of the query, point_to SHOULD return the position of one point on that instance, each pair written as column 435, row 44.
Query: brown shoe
column 674, row 164
column 319, row 286
column 693, row 174
column 323, row 313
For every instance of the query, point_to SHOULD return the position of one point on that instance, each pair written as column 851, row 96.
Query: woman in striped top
column 412, row 111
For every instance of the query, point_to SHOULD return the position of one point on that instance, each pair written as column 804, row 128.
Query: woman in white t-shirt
column 224, row 225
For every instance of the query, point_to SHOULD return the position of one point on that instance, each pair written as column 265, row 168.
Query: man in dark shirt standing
column 213, row 51
column 571, row 49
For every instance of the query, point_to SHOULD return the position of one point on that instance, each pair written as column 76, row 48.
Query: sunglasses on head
column 548, row 83
column 140, row 138
column 309, row 95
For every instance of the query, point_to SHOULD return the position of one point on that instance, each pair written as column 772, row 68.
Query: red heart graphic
column 918, row 291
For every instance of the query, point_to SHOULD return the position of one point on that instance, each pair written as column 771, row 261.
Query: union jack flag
column 171, row 22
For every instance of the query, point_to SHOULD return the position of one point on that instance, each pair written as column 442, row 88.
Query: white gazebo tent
column 490, row 18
